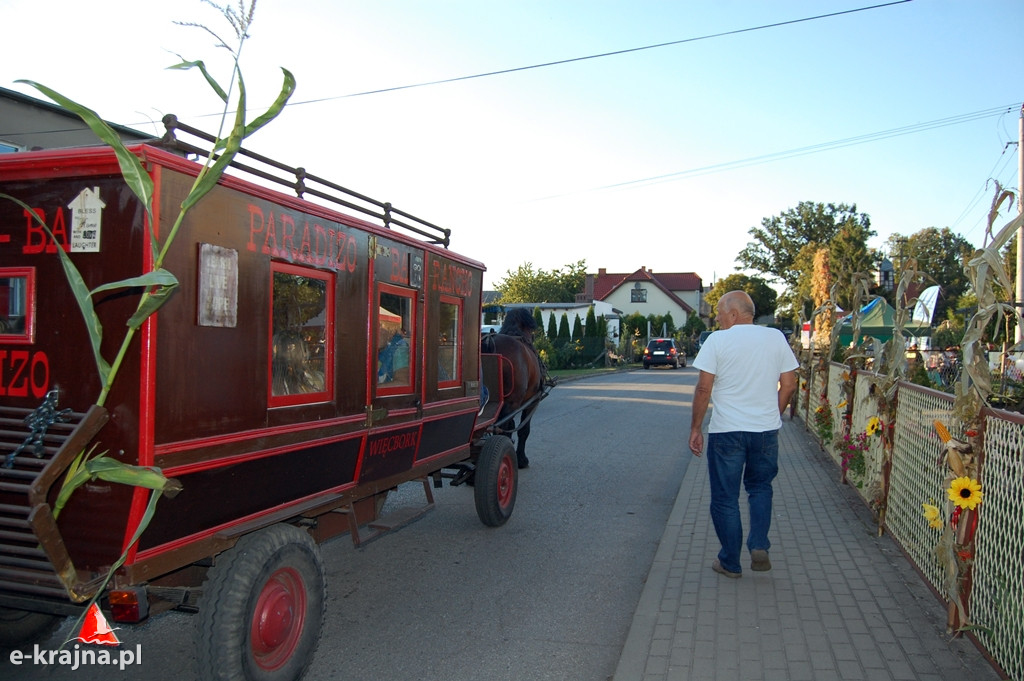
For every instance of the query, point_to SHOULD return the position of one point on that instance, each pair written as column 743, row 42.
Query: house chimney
column 601, row 271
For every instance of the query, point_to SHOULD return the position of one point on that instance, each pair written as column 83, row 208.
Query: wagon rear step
column 34, row 451
column 397, row 519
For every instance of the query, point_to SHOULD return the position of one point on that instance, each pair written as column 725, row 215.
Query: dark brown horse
column 523, row 377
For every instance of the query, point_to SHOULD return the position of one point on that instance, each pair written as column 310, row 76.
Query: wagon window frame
column 450, row 339
column 387, row 322
column 20, row 332
column 296, row 343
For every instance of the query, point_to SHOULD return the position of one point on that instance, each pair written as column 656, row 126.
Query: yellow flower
column 965, row 492
column 841, row 404
column 874, row 425
column 932, row 515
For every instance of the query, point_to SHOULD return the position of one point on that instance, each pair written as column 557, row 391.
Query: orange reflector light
column 129, row 605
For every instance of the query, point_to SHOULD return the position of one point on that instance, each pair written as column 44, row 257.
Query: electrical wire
column 603, row 54
column 793, row 153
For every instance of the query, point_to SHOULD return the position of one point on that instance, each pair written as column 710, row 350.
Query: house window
column 17, row 304
column 449, row 343
column 301, row 340
column 395, row 341
column 638, row 295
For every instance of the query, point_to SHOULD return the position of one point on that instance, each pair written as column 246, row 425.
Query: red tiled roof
column 605, row 282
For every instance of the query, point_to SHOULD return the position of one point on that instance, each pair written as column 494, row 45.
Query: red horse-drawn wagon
column 307, row 363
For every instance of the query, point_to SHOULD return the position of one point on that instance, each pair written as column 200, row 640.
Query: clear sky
column 662, row 157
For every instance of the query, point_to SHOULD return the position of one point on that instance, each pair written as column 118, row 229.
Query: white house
column 680, row 294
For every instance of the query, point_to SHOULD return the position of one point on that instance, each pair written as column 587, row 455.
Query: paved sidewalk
column 839, row 603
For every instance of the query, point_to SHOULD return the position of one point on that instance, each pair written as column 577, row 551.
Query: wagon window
column 17, row 292
column 301, row 337
column 449, row 342
column 395, row 340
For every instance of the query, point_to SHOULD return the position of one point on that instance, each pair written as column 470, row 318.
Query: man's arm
column 701, row 400
column 787, row 386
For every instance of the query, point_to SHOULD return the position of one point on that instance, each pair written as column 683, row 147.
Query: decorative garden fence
column 991, row 581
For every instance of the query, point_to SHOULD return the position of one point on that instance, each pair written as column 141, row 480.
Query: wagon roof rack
column 301, row 182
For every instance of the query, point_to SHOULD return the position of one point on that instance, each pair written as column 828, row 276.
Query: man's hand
column 696, row 442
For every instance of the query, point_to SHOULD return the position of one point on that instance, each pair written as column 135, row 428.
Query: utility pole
column 1019, row 294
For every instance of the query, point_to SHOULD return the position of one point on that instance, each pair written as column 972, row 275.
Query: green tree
column 538, row 318
column 577, row 328
column 763, row 295
column 552, row 327
column 849, row 255
column 591, row 329
column 782, row 241
column 563, row 329
column 526, row 285
column 940, row 255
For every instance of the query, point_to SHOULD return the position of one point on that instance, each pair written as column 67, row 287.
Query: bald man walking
column 751, row 371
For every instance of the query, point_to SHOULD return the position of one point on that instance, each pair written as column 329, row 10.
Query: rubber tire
column 496, row 481
column 20, row 628
column 282, row 563
column 646, row 365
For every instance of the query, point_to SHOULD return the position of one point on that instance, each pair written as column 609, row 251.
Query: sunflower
column 965, row 492
column 874, row 425
column 932, row 515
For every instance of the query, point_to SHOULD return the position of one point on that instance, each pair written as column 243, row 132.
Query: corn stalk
column 158, row 284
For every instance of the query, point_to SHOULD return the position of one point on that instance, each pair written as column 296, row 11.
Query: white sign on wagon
column 86, row 221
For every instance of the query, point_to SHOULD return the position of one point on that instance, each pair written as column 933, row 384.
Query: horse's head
column 519, row 322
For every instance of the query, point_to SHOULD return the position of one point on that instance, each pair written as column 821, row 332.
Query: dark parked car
column 663, row 351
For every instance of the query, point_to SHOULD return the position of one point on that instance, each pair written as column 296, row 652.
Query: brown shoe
column 759, row 561
column 717, row 567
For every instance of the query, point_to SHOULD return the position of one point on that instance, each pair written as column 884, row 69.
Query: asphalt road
column 550, row 595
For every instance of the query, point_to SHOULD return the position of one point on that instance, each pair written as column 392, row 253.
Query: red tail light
column 129, row 605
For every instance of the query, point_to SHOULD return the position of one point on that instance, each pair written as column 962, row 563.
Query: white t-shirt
column 746, row 361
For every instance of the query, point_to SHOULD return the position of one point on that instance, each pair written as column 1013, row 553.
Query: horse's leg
column 521, row 435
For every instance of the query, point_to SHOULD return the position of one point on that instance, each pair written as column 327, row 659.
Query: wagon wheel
column 21, row 628
column 262, row 608
column 496, row 481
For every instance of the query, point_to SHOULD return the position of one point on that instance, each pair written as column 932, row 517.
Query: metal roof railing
column 304, row 183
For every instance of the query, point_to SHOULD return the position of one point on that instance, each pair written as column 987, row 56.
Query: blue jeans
column 754, row 458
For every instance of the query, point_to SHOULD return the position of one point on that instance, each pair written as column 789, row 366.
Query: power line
column 603, row 54
column 793, row 153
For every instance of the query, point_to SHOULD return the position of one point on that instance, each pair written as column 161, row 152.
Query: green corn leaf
column 208, row 179
column 135, row 175
column 287, row 89
column 159, row 277
column 71, row 483
column 186, row 65
column 151, row 303
column 112, row 470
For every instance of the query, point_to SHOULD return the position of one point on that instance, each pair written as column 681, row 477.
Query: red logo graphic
column 96, row 630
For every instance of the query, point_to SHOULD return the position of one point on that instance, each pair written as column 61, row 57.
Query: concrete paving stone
column 665, row 632
column 850, row 670
column 854, row 624
column 799, row 671
column 797, row 652
column 660, row 647
column 656, row 664
column 844, row 652
column 865, row 644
